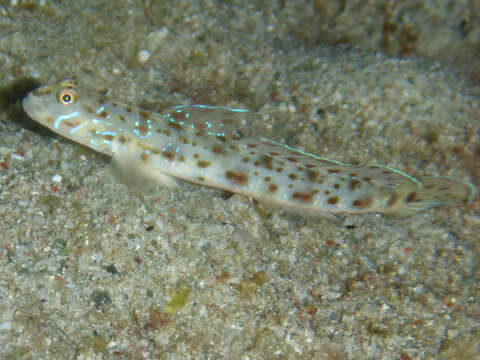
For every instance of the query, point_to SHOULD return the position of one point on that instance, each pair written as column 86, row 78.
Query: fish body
column 200, row 144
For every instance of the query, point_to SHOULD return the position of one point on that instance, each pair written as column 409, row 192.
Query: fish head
column 66, row 110
column 55, row 106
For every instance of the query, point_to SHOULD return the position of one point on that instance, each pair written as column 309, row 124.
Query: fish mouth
column 32, row 106
column 27, row 104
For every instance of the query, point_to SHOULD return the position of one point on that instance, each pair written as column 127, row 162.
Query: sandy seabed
column 91, row 269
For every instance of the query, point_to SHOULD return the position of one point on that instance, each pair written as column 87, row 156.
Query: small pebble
column 56, row 178
column 143, row 56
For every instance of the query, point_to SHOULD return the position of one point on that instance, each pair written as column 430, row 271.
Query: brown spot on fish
column 103, row 114
column 279, row 169
column 256, row 163
column 181, row 158
column 221, row 138
column 185, row 141
column 303, row 197
column 309, row 166
column 362, row 203
column 237, row 177
column 312, row 175
column 142, row 130
column 354, row 184
column 177, row 116
column 201, row 178
column 267, row 178
column 272, row 188
column 352, row 175
column 217, row 149
column 175, row 126
column 168, row 155
column 122, row 118
column 367, row 179
column 108, row 137
column 333, row 200
column 274, row 153
column 122, row 139
column 327, row 192
column 143, row 114
column 333, row 171
column 290, row 186
column 245, row 159
column 267, row 161
column 203, row 164
column 336, row 186
column 291, row 159
column 292, row 176
column 196, row 156
column 128, row 109
column 251, row 146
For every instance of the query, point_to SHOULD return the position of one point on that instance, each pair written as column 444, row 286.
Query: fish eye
column 67, row 96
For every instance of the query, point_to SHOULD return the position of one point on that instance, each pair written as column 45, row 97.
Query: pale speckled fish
column 197, row 143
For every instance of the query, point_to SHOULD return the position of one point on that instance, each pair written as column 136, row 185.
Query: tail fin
column 433, row 191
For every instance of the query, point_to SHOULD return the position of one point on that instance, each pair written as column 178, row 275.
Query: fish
column 202, row 144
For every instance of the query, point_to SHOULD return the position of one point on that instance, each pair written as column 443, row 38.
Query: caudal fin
column 431, row 192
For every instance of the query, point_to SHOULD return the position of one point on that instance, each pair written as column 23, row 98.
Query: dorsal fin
column 215, row 120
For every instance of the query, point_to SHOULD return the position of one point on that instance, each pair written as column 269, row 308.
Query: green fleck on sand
column 178, row 299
